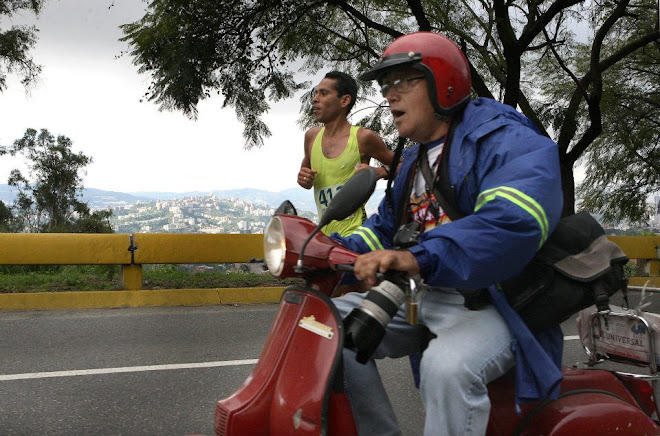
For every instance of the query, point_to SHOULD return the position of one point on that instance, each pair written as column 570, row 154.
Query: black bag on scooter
column 576, row 268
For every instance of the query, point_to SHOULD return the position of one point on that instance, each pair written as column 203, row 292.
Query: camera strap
column 440, row 187
column 393, row 170
column 446, row 198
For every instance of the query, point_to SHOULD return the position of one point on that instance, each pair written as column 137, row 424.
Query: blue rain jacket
column 507, row 181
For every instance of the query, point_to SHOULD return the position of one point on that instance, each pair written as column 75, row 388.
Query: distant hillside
column 99, row 199
column 301, row 198
column 96, row 198
column 298, row 196
column 157, row 195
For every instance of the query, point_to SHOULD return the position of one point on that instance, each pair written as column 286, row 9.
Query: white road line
column 35, row 375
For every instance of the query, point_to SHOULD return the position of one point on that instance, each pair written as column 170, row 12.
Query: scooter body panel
column 591, row 402
column 289, row 390
column 248, row 409
column 595, row 414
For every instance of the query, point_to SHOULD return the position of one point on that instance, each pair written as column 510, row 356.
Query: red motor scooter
column 296, row 387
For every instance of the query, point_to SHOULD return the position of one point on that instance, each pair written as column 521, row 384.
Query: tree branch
column 566, row 133
column 364, row 19
column 535, row 26
column 512, row 53
column 569, row 126
column 418, row 11
column 651, row 163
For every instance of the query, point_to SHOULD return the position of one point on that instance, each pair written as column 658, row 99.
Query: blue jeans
column 471, row 348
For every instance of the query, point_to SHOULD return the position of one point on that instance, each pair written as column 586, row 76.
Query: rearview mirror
column 286, row 208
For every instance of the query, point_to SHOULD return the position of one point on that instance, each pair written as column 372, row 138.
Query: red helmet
column 445, row 66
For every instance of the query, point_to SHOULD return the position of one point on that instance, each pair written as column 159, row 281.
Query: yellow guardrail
column 645, row 252
column 129, row 251
column 64, row 249
column 133, row 251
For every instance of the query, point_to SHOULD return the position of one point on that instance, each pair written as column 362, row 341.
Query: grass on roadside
column 15, row 279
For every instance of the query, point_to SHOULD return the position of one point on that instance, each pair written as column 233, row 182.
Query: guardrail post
column 643, row 267
column 654, row 267
column 131, row 276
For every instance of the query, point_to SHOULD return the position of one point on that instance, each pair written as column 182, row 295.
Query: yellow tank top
column 331, row 176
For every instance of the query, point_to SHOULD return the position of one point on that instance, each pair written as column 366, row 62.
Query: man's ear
column 345, row 100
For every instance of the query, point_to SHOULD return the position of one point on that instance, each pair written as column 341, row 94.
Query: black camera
column 364, row 327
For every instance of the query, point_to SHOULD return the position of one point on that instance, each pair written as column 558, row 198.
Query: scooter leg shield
column 289, row 389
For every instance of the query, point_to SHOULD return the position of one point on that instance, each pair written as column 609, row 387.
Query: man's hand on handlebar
column 368, row 264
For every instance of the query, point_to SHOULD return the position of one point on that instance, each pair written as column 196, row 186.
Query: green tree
column 623, row 165
column 49, row 195
column 16, row 43
column 247, row 50
column 7, row 221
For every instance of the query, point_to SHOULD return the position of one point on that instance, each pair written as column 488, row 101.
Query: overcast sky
column 91, row 95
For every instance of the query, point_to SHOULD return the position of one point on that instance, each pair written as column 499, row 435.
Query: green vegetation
column 58, row 278
column 17, row 279
column 49, row 193
column 107, row 278
column 630, row 269
column 17, row 41
column 179, row 277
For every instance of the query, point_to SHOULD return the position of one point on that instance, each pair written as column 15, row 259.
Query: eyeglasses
column 399, row 85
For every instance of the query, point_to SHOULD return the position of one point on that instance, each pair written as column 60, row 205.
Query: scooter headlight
column 274, row 246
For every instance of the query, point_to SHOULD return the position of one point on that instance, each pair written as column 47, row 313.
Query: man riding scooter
column 506, row 180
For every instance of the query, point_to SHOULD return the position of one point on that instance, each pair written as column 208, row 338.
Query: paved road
column 147, row 371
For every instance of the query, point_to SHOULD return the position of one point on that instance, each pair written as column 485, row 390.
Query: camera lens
column 365, row 325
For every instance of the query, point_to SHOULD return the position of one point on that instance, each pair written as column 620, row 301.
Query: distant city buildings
column 202, row 214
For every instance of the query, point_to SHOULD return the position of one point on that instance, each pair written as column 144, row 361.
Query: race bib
column 324, row 197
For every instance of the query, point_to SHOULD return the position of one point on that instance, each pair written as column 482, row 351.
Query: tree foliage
column 7, row 221
column 16, row 43
column 550, row 59
column 49, row 195
column 623, row 165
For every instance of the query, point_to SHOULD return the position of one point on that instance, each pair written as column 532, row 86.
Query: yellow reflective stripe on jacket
column 522, row 200
column 369, row 237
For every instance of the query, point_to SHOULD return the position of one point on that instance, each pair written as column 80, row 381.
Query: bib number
column 324, row 197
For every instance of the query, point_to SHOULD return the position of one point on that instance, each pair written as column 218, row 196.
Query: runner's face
column 411, row 108
column 326, row 103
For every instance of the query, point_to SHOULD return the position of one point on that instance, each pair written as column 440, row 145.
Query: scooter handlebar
column 351, row 268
